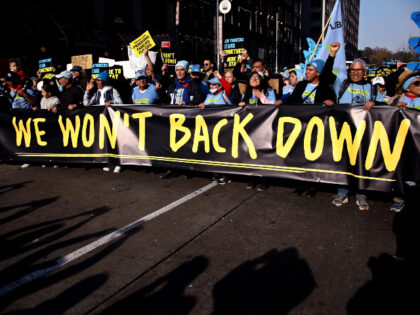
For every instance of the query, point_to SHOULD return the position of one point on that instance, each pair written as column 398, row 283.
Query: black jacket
column 323, row 92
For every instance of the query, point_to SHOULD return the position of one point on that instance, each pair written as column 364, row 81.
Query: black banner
column 375, row 150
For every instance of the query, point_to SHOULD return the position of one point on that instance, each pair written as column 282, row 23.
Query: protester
column 144, row 93
column 379, row 84
column 105, row 94
column 79, row 77
column 195, row 75
column 20, row 96
column 410, row 96
column 315, row 89
column 235, row 95
column 208, row 70
column 71, row 96
column 183, row 90
column 219, row 89
column 50, row 100
column 258, row 92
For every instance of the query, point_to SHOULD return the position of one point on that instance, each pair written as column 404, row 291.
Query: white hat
column 378, row 80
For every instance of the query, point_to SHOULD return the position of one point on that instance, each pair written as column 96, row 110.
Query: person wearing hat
column 379, row 84
column 410, row 96
column 105, row 94
column 20, row 96
column 184, row 90
column 71, row 96
column 79, row 76
column 195, row 75
column 144, row 93
column 219, row 91
column 315, row 89
column 296, row 75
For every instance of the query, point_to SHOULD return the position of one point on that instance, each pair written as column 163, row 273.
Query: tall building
column 271, row 29
column 312, row 22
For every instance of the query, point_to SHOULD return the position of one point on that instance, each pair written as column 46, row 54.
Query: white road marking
column 103, row 240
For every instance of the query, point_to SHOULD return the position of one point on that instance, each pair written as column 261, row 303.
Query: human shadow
column 8, row 188
column 68, row 298
column 27, row 208
column 165, row 295
column 274, row 283
column 73, row 296
column 395, row 284
column 28, row 263
column 43, row 233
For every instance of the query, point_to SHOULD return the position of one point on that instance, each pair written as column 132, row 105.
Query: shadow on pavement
column 7, row 188
column 395, row 284
column 74, row 294
column 274, row 283
column 36, row 238
column 27, row 208
column 165, row 295
column 68, row 298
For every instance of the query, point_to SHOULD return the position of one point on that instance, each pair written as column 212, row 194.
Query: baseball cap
column 64, row 74
column 195, row 69
column 140, row 74
column 378, row 80
column 76, row 68
column 214, row 80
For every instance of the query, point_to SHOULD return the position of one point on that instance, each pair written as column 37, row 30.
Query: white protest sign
column 140, row 63
column 129, row 73
column 109, row 61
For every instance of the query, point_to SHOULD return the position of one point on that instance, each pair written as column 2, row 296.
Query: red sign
column 166, row 44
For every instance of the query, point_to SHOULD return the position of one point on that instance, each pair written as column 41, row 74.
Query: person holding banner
column 258, row 92
column 71, row 97
column 235, row 95
column 315, row 89
column 219, row 90
column 144, row 93
column 105, row 95
column 184, row 90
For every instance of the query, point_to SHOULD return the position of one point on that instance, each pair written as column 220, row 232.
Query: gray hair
column 360, row 61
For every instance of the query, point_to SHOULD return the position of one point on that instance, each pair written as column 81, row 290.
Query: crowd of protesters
column 191, row 86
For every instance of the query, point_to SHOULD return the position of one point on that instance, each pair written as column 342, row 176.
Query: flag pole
column 320, row 37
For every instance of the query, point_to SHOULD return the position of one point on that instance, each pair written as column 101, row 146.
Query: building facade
column 271, row 28
column 312, row 22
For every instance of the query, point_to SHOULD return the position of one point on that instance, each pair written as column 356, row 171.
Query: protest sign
column 234, row 47
column 98, row 68
column 45, row 68
column 144, row 41
column 116, row 72
column 140, row 63
column 84, row 61
column 168, row 58
column 109, row 61
column 128, row 72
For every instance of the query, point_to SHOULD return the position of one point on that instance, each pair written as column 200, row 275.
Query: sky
column 387, row 23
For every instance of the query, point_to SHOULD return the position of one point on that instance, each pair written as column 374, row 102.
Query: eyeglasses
column 416, row 83
column 206, row 64
column 255, row 78
column 354, row 70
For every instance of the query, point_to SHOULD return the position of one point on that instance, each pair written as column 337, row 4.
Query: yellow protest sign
column 144, row 41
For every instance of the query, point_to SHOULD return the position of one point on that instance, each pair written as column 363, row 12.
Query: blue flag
column 335, row 34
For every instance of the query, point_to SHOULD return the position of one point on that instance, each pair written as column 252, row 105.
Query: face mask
column 213, row 91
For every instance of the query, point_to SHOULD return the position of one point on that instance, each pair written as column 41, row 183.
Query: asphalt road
column 227, row 250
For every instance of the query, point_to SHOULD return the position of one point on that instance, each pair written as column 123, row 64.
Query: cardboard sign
column 141, row 43
column 234, row 47
column 116, row 72
column 84, row 61
column 98, row 68
column 168, row 58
